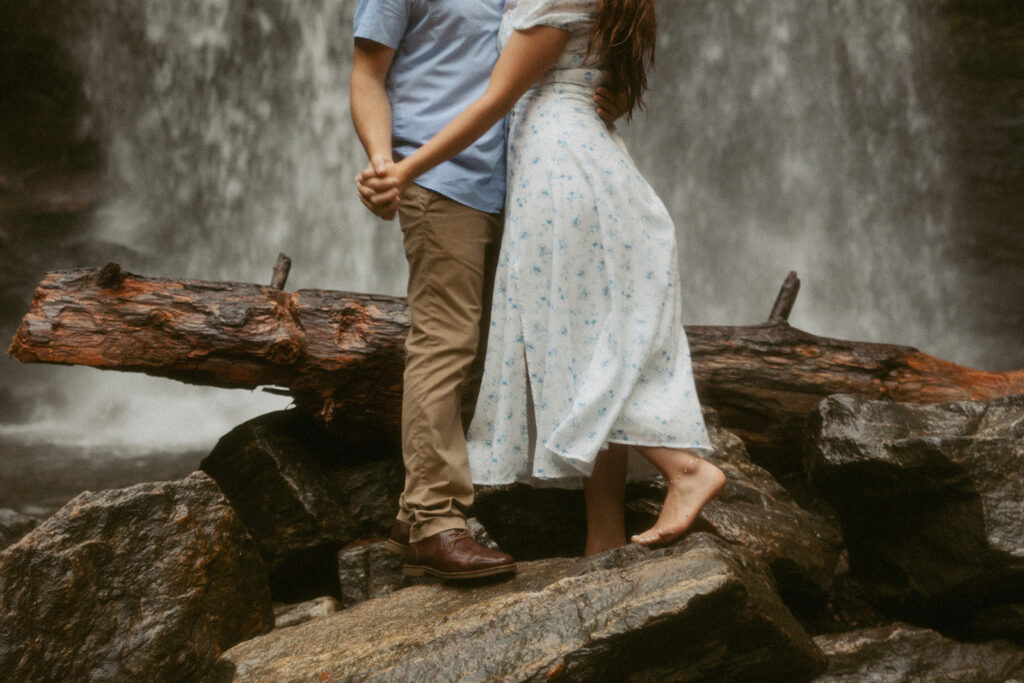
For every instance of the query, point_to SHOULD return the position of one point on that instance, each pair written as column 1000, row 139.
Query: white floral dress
column 585, row 324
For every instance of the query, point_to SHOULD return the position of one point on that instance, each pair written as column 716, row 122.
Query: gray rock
column 899, row 652
column 151, row 582
column 698, row 610
column 753, row 510
column 929, row 498
column 14, row 525
column 300, row 613
column 368, row 571
column 303, row 496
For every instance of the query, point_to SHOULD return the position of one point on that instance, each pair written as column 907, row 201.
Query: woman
column 586, row 353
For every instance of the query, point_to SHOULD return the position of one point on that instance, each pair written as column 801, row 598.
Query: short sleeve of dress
column 563, row 14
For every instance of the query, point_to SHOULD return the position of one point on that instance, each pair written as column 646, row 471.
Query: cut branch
column 281, row 270
column 785, row 300
column 341, row 355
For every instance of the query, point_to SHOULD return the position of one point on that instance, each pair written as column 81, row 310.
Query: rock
column 293, row 615
column 151, row 582
column 753, row 510
column 698, row 610
column 898, row 652
column 303, row 495
column 14, row 525
column 1003, row 621
column 929, row 500
column 368, row 571
column 801, row 548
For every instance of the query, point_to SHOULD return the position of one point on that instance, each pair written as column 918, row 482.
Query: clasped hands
column 382, row 183
column 380, row 187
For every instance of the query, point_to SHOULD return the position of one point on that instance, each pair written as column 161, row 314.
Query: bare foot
column 693, row 483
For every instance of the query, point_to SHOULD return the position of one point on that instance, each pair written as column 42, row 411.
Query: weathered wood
column 281, row 270
column 340, row 354
column 786, row 298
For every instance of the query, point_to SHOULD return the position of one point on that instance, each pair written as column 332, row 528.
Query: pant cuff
column 434, row 525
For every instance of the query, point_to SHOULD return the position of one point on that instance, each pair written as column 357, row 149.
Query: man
column 417, row 64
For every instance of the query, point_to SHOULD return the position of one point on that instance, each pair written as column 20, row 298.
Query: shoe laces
column 462, row 535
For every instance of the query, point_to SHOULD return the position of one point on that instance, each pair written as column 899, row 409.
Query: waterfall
column 807, row 136
column 782, row 134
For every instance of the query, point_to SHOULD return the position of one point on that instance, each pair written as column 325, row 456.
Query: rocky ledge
column 898, row 558
column 696, row 611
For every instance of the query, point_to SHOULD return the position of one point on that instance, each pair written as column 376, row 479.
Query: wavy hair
column 624, row 36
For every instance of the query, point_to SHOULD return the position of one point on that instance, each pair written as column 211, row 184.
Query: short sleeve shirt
column 444, row 53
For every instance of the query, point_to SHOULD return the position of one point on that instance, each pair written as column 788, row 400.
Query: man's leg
column 447, row 245
column 469, row 389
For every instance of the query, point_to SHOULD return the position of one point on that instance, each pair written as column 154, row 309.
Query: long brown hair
column 624, row 37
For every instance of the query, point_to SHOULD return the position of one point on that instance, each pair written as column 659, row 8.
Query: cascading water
column 835, row 138
column 782, row 134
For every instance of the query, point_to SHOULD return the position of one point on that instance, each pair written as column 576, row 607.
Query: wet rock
column 801, row 548
column 303, row 495
column 14, row 525
column 300, row 613
column 899, row 652
column 151, row 582
column 699, row 610
column 753, row 510
column 1004, row 621
column 368, row 571
column 929, row 501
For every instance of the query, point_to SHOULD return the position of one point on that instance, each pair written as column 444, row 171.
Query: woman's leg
column 692, row 482
column 605, row 494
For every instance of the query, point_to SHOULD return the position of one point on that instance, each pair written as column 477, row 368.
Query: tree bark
column 341, row 355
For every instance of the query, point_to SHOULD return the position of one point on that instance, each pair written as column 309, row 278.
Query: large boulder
column 149, row 583
column 753, row 510
column 699, row 610
column 899, row 652
column 929, row 499
column 304, row 495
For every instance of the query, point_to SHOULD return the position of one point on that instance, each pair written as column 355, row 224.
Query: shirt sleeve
column 382, row 21
column 563, row 14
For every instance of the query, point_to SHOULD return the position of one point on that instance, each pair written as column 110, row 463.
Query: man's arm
column 371, row 115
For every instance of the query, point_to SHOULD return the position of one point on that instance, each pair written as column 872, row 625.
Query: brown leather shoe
column 398, row 538
column 454, row 554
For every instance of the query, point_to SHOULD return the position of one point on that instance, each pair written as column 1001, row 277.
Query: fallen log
column 341, row 354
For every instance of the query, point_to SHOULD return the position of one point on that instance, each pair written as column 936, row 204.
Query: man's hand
column 378, row 187
column 610, row 106
column 371, row 114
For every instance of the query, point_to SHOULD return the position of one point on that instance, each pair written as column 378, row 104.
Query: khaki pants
column 452, row 252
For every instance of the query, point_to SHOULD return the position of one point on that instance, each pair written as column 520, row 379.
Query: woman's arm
column 527, row 56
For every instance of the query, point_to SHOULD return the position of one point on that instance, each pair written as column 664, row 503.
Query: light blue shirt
column 444, row 53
